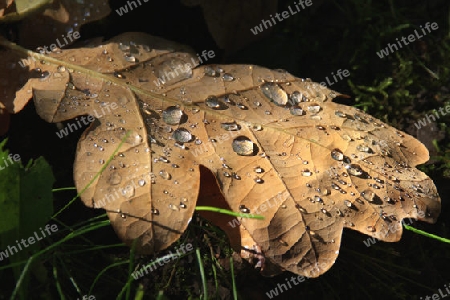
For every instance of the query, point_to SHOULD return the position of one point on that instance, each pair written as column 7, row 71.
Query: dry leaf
column 277, row 145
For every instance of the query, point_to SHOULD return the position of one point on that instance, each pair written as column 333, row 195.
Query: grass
column 85, row 257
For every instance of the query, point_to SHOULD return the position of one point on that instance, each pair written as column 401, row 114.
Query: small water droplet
column 297, row 97
column 301, row 209
column 141, row 182
column 259, row 170
column 297, row 111
column 340, row 114
column 314, row 108
column 130, row 58
column 173, row 207
column 306, row 172
column 155, row 211
column 348, row 203
column 212, row 71
column 165, row 175
column 227, row 77
column 243, row 146
column 259, row 180
column 215, row 103
column 371, row 228
column 244, row 209
column 257, row 127
column 118, row 75
column 230, row 126
column 337, row 154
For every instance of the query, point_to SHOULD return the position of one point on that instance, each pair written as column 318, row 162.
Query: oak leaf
column 277, row 146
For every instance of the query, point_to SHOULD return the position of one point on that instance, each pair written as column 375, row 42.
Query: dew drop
column 337, row 154
column 212, row 71
column 155, row 211
column 354, row 169
column 259, row 170
column 301, row 209
column 371, row 228
column 340, row 114
column 215, row 103
column 165, row 175
column 230, row 126
column 314, row 108
column 274, row 93
column 297, row 97
column 368, row 195
column 296, row 111
column 306, row 172
column 227, row 77
column 363, row 148
column 141, row 182
column 182, row 135
column 244, row 209
column 243, row 146
column 259, row 180
column 172, row 115
column 173, row 207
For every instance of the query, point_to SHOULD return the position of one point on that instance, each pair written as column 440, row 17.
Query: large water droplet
column 172, row 115
column 182, row 135
column 274, row 93
column 337, row 154
column 243, row 146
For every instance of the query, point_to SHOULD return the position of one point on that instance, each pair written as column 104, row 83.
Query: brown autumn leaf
column 277, row 146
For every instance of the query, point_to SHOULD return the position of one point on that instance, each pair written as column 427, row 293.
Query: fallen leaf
column 277, row 146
